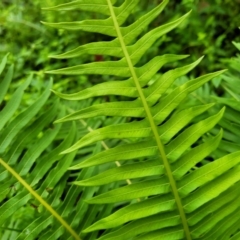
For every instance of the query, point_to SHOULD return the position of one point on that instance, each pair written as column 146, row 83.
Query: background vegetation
column 210, row 31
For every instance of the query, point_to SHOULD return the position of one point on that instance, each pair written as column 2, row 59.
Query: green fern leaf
column 175, row 191
column 33, row 176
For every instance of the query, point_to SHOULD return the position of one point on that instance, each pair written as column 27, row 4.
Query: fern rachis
column 168, row 178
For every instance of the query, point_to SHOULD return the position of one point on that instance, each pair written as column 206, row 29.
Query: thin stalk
column 152, row 124
column 105, row 146
column 40, row 199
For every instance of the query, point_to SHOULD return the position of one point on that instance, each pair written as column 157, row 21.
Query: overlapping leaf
column 33, row 176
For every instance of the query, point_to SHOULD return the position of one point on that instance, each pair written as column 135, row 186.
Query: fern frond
column 230, row 122
column 33, row 176
column 166, row 154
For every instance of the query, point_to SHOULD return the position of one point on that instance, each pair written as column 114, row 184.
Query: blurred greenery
column 209, row 31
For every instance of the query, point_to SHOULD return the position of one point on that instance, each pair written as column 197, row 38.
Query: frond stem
column 105, row 146
column 40, row 199
column 152, row 124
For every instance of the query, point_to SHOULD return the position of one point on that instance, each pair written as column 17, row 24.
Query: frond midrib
column 152, row 125
column 48, row 207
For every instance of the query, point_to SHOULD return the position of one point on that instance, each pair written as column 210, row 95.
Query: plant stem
column 41, row 200
column 152, row 124
column 102, row 143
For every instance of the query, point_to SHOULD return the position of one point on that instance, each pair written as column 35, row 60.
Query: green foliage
column 175, row 192
column 28, row 41
column 154, row 154
column 230, row 123
column 34, row 179
column 209, row 30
